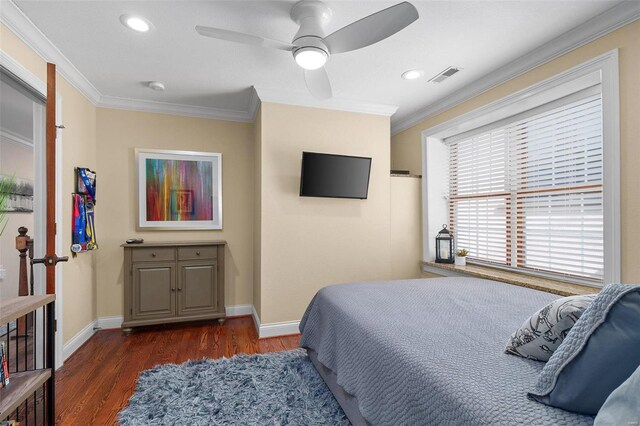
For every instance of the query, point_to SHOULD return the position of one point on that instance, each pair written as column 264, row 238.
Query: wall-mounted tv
column 334, row 176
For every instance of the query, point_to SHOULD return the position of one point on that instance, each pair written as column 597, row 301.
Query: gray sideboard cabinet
column 173, row 282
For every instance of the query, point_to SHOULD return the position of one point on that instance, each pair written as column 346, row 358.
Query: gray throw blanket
column 431, row 351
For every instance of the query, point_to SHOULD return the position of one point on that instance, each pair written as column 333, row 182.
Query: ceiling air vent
column 444, row 75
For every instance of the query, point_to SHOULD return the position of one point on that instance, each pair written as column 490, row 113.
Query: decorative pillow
column 543, row 332
column 623, row 405
column 599, row 353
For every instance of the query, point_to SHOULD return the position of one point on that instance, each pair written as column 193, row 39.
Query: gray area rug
column 280, row 388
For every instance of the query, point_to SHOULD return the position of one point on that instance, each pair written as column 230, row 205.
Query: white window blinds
column 528, row 193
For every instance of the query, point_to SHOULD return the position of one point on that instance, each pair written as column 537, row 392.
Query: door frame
column 40, row 86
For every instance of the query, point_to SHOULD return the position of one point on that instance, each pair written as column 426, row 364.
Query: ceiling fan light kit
column 311, row 16
column 310, row 58
column 311, row 49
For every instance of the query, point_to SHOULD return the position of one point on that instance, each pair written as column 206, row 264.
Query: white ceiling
column 478, row 36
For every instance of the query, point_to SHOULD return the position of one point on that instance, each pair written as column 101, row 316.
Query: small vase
column 461, row 260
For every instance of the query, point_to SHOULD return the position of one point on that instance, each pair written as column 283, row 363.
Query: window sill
column 537, row 283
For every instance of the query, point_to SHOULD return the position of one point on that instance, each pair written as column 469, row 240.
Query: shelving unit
column 24, row 384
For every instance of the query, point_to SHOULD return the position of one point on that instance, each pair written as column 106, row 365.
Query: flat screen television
column 334, row 176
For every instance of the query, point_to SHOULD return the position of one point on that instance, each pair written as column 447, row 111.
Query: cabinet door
column 154, row 287
column 197, row 288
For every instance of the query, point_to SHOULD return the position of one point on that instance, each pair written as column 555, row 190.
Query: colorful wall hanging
column 179, row 190
column 83, row 227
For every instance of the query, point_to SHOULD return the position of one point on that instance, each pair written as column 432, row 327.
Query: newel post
column 22, row 245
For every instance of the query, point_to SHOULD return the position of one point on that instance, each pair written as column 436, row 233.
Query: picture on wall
column 19, row 195
column 179, row 189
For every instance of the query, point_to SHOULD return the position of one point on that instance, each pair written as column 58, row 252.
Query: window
column 527, row 192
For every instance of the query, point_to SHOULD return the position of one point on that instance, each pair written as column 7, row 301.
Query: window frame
column 604, row 68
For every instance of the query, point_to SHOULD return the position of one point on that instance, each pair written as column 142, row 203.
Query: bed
column 428, row 352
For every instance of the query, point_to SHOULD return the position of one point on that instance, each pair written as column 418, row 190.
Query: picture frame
column 179, row 190
column 20, row 195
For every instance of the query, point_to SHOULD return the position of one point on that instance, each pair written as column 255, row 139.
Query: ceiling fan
column 311, row 49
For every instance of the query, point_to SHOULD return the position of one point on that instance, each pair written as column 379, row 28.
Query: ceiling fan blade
column 243, row 38
column 372, row 29
column 318, row 83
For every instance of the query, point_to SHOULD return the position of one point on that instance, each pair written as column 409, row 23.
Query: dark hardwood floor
column 96, row 382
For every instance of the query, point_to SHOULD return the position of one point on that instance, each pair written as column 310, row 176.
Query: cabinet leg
column 127, row 331
column 221, row 321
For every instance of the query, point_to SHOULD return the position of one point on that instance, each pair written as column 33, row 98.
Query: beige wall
column 282, row 248
column 406, row 227
column 406, row 149
column 308, row 243
column 78, row 149
column 119, row 133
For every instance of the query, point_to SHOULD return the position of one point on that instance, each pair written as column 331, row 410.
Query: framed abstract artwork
column 179, row 190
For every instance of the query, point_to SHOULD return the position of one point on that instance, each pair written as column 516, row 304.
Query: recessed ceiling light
column 156, row 85
column 136, row 23
column 412, row 74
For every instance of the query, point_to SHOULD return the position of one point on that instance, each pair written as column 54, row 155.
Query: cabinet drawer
column 197, row 252
column 153, row 254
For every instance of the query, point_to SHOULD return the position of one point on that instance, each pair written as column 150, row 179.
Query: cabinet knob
column 153, row 254
column 179, row 289
column 197, row 253
column 173, row 289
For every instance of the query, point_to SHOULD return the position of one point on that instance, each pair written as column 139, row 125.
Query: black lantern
column 444, row 246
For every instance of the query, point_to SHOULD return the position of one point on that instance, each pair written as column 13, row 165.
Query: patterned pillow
column 543, row 332
column 598, row 355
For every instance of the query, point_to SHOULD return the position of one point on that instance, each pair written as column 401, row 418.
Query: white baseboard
column 264, row 330
column 256, row 319
column 110, row 322
column 237, row 310
column 78, row 340
column 274, row 329
column 116, row 321
column 85, row 334
column 279, row 329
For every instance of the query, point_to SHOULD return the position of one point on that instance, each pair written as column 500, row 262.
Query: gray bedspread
column 431, row 351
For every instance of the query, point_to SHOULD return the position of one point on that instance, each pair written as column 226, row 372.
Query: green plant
column 462, row 252
column 6, row 187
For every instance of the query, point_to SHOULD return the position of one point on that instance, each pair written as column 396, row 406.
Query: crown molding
column 254, row 104
column 174, row 109
column 600, row 25
column 25, row 29
column 339, row 104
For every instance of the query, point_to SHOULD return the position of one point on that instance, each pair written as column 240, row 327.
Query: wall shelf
column 16, row 307
column 25, row 383
column 21, row 387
